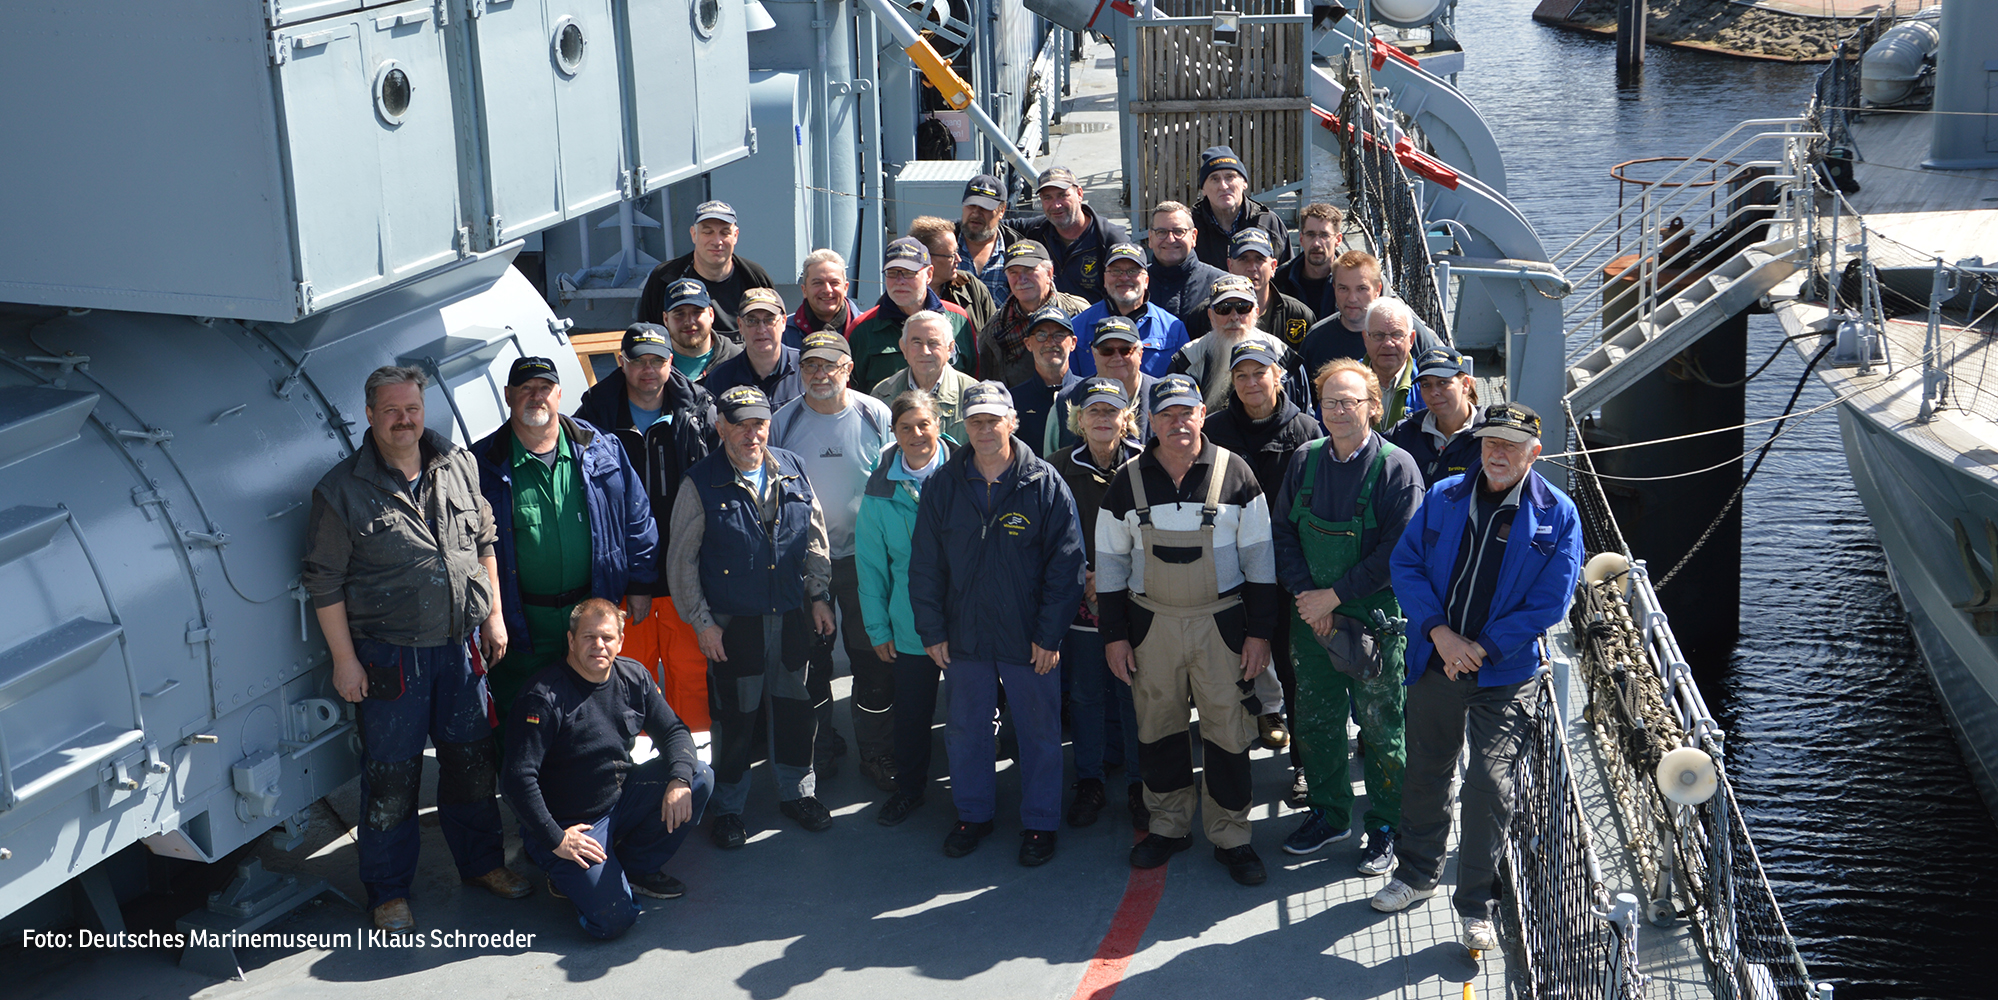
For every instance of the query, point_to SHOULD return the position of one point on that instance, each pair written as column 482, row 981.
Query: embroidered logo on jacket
column 1015, row 522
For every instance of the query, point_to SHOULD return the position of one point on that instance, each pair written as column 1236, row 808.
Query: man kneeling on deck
column 600, row 826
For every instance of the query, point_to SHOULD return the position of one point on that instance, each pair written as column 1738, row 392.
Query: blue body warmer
column 746, row 569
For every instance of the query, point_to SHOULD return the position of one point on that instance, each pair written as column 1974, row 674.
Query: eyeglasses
column 1118, row 348
column 1232, row 307
column 1390, row 335
column 817, row 366
column 1170, row 234
column 646, row 361
column 1128, row 273
column 1341, row 405
column 1049, row 336
column 759, row 318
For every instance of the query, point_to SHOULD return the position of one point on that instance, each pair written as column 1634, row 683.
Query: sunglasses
column 1232, row 307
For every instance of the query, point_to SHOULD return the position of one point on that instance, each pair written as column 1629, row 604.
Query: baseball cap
column 646, row 338
column 1125, row 251
column 1251, row 350
column 687, row 292
column 825, row 344
column 1254, row 239
column 906, row 254
column 1060, row 177
column 525, row 370
column 1174, row 390
column 987, row 397
column 985, row 192
column 743, row 402
column 1509, row 422
column 761, row 298
column 1442, row 361
column 1050, row 314
column 1231, row 286
column 1102, row 390
column 1027, row 253
column 1219, row 158
column 714, row 210
column 1117, row 328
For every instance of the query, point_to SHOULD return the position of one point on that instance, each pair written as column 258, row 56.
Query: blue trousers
column 1035, row 700
column 636, row 840
column 417, row 695
column 916, row 681
column 1091, row 684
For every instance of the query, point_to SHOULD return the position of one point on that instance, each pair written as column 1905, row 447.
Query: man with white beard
column 560, row 490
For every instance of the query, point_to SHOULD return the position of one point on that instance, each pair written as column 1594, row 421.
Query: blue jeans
column 1035, row 701
column 1089, row 678
column 637, row 840
column 419, row 694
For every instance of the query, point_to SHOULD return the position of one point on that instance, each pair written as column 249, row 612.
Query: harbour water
column 1881, row 853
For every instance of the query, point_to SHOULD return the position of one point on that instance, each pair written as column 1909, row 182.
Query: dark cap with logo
column 1443, row 362
column 743, row 402
column 1027, row 253
column 687, row 292
column 1219, row 158
column 1254, row 239
column 1514, row 422
column 985, row 192
column 646, row 338
column 1124, row 251
column 1116, row 328
column 527, row 369
column 1175, row 390
column 1050, row 314
column 1060, row 177
column 905, row 254
column 1231, row 286
column 1252, row 349
column 987, row 397
column 1102, row 390
column 765, row 299
column 714, row 210
column 825, row 344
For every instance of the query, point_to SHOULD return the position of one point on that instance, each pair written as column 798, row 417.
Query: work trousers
column 418, row 694
column 634, row 838
column 765, row 670
column 916, row 680
column 873, row 697
column 1092, row 687
column 1182, row 658
column 1325, row 698
column 671, row 653
column 1442, row 715
column 1035, row 700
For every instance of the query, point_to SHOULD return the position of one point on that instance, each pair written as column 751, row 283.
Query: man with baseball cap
column 1488, row 563
column 1126, row 288
column 690, row 324
column 1051, row 337
column 1440, row 436
column 1225, row 209
column 764, row 362
column 983, row 235
column 905, row 280
column 1186, row 590
column 750, row 570
column 714, row 261
column 995, row 576
column 1232, row 315
column 1281, row 316
column 666, row 423
column 574, row 521
column 1004, row 356
column 838, row 435
column 1075, row 236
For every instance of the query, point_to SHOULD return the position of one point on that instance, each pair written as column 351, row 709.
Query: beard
column 537, row 417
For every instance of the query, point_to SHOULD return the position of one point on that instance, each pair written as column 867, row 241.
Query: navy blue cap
column 1254, row 239
column 1252, row 349
column 907, row 254
column 1442, row 361
column 646, row 338
column 1027, row 253
column 714, row 210
column 1050, row 314
column 987, row 397
column 985, row 192
column 687, row 292
column 1116, row 328
column 1220, row 158
column 743, row 402
column 525, row 369
column 1515, row 422
column 1102, row 390
column 1175, row 390
column 1124, row 251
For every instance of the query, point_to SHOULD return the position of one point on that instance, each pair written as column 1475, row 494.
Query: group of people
column 1086, row 483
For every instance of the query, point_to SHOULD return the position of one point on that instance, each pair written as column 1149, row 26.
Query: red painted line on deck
column 1141, row 899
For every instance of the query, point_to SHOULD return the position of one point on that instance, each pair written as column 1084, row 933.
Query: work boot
column 1156, row 850
column 1275, row 736
column 394, row 916
column 807, row 812
column 1141, row 815
column 1242, row 863
column 1089, row 801
column 502, row 882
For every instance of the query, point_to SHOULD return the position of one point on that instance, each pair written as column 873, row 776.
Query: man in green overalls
column 1342, row 506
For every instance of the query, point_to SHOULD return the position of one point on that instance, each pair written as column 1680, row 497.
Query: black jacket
column 1290, row 280
column 1461, row 456
column 652, row 298
column 1182, row 289
column 1286, row 319
column 664, row 452
column 1265, row 444
column 1212, row 243
column 1078, row 266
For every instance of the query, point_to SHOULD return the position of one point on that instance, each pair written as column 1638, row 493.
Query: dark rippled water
column 1881, row 853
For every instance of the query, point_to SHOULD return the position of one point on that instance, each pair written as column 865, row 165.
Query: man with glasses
column 838, row 436
column 1179, row 279
column 1126, row 285
column 983, row 235
column 1003, row 355
column 1051, row 337
column 906, row 290
column 1390, row 337
column 764, row 362
column 1308, row 276
column 1119, row 353
column 951, row 283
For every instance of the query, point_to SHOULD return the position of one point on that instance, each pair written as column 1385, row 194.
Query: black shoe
column 964, row 837
column 727, row 832
column 1036, row 847
column 1155, row 850
column 807, row 812
column 658, row 885
column 1088, row 802
column 1141, row 817
column 1243, row 865
column 1299, row 796
column 897, row 808
column 880, row 770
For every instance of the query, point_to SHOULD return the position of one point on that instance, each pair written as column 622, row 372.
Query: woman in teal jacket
column 881, row 558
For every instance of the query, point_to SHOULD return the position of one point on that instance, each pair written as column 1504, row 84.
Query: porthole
column 569, row 46
column 707, row 17
column 393, row 92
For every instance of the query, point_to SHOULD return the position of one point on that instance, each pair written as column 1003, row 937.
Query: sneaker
column 897, row 808
column 394, row 916
column 727, row 832
column 1275, row 736
column 1156, row 850
column 1480, row 935
column 1036, row 847
column 1243, row 864
column 807, row 812
column 1397, row 896
column 1378, row 857
column 658, row 885
column 880, row 770
column 1299, row 796
column 964, row 837
column 1141, row 816
column 502, row 882
column 1314, row 833
column 1089, row 801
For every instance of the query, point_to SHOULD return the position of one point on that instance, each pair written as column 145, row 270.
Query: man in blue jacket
column 995, row 576
column 574, row 521
column 1487, row 565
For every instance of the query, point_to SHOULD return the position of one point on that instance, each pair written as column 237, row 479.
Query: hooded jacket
column 881, row 539
column 664, row 452
column 1265, row 444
